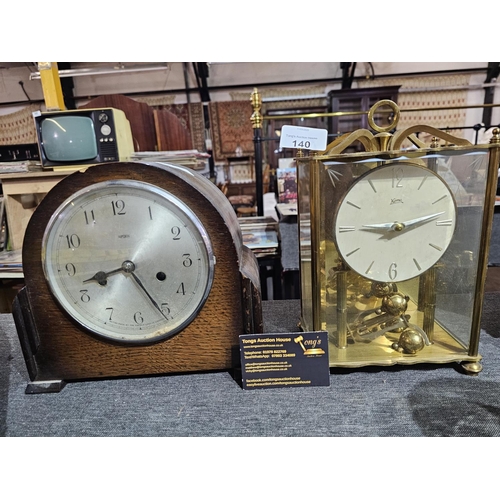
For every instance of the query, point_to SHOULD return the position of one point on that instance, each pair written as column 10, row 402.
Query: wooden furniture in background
column 170, row 134
column 22, row 194
column 152, row 130
column 239, row 174
column 355, row 100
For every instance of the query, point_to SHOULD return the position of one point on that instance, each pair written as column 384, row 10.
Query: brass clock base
column 472, row 368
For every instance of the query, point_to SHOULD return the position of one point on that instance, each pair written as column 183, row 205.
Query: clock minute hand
column 143, row 288
column 418, row 220
column 399, row 226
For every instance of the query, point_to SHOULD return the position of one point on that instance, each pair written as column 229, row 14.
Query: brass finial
column 434, row 142
column 395, row 119
column 256, row 101
column 383, row 137
column 495, row 139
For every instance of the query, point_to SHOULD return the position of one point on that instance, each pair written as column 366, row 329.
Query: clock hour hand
column 384, row 225
column 101, row 276
column 127, row 266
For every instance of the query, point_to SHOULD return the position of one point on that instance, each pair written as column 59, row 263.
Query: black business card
column 284, row 360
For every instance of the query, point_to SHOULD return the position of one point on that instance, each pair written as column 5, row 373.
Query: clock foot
column 472, row 368
column 45, row 386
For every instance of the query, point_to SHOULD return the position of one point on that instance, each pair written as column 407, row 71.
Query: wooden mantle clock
column 134, row 269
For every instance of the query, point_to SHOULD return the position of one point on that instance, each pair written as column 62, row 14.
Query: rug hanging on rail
column 430, row 92
column 197, row 125
column 231, row 128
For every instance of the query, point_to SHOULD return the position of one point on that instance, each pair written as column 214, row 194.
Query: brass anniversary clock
column 134, row 269
column 394, row 244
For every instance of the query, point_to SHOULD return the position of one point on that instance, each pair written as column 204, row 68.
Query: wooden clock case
column 56, row 349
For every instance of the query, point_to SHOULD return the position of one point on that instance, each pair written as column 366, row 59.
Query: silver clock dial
column 128, row 261
column 395, row 222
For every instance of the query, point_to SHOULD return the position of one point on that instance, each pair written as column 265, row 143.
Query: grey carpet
column 430, row 400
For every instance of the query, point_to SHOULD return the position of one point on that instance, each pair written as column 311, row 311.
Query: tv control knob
column 103, row 117
column 105, row 130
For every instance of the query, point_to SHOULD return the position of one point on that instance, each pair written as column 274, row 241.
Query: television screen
column 69, row 138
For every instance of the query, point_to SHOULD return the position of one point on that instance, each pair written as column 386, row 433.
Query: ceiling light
column 104, row 71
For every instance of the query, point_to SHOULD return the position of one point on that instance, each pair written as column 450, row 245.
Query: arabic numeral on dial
column 89, row 217
column 165, row 309
column 70, row 269
column 150, row 213
column 176, row 231
column 397, row 177
column 110, row 309
column 73, row 240
column 187, row 262
column 85, row 297
column 393, row 272
column 118, row 207
column 138, row 318
column 181, row 289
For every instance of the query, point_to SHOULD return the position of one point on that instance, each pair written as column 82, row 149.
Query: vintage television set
column 82, row 137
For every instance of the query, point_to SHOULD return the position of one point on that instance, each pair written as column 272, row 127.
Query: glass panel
column 304, row 213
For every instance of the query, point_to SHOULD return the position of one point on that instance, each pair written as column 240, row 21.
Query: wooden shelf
column 22, row 194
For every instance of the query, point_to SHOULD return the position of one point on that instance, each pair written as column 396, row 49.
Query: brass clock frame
column 375, row 323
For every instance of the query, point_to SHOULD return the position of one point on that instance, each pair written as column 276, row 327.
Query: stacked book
column 11, row 264
column 260, row 234
column 14, row 167
column 191, row 158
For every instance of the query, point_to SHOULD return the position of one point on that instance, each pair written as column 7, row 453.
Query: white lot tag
column 303, row 138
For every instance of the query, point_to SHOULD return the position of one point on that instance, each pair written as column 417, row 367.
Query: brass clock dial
column 395, row 222
column 128, row 261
